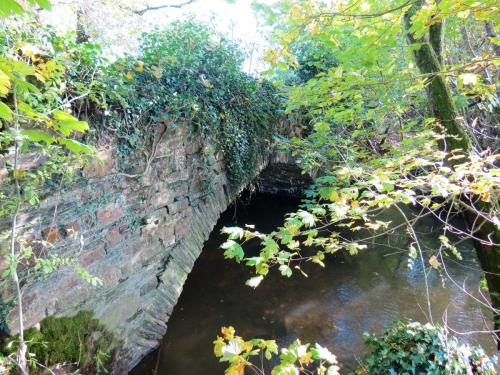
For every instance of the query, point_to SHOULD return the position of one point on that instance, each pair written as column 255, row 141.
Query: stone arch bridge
column 140, row 235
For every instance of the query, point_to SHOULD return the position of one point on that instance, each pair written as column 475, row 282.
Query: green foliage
column 38, row 146
column 184, row 74
column 188, row 72
column 415, row 348
column 295, row 359
column 8, row 7
column 369, row 136
column 404, row 349
column 76, row 341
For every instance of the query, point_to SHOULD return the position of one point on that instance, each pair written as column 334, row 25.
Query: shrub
column 187, row 73
column 415, row 348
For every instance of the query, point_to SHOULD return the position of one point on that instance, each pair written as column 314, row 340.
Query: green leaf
column 28, row 111
column 5, row 112
column 35, row 135
column 63, row 116
column 45, row 4
column 270, row 247
column 66, row 123
column 286, row 270
column 287, row 369
column 235, row 233
column 7, row 7
column 320, row 352
column 254, row 281
column 307, row 218
column 75, row 146
column 21, row 68
column 233, row 250
column 333, row 370
column 4, row 84
column 67, row 127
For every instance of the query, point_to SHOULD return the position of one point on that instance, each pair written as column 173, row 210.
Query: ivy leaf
column 233, row 348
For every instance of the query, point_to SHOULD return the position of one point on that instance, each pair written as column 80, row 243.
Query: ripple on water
column 333, row 306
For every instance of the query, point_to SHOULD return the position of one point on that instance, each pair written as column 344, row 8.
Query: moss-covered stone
column 80, row 341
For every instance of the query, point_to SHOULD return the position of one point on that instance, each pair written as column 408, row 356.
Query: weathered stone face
column 140, row 236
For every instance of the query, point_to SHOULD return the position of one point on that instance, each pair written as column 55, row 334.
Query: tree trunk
column 440, row 100
column 429, row 61
column 490, row 32
column 81, row 34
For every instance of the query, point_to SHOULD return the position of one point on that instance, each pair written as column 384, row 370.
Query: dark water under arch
column 333, row 306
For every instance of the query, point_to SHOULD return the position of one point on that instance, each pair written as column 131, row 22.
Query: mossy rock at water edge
column 79, row 341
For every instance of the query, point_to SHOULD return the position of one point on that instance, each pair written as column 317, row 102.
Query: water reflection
column 333, row 306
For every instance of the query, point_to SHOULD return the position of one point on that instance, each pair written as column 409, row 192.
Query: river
column 333, row 306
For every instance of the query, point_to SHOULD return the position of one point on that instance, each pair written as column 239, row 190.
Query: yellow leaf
column 485, row 197
column 306, row 359
column 248, row 346
column 334, row 197
column 40, row 77
column 130, row 75
column 19, row 173
column 218, row 346
column 434, row 262
column 228, row 332
column 4, row 83
column 139, row 66
column 236, row 369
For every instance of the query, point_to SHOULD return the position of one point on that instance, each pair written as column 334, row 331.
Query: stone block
column 115, row 235
column 167, row 234
column 162, row 198
column 92, row 255
column 119, row 310
column 109, row 213
column 102, row 165
column 179, row 205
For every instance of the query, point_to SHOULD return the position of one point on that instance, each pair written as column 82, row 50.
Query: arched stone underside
column 140, row 235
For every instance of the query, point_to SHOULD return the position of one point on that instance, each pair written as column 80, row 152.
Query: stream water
column 333, row 306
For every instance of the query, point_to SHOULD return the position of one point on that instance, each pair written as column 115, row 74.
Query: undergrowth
column 79, row 341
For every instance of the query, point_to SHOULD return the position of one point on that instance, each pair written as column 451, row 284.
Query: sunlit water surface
column 334, row 306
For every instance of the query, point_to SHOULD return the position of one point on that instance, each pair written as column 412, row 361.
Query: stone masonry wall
column 140, row 236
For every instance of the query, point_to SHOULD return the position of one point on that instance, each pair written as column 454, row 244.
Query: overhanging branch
column 149, row 9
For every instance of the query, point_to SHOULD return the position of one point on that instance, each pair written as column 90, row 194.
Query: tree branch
column 148, row 8
column 368, row 15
